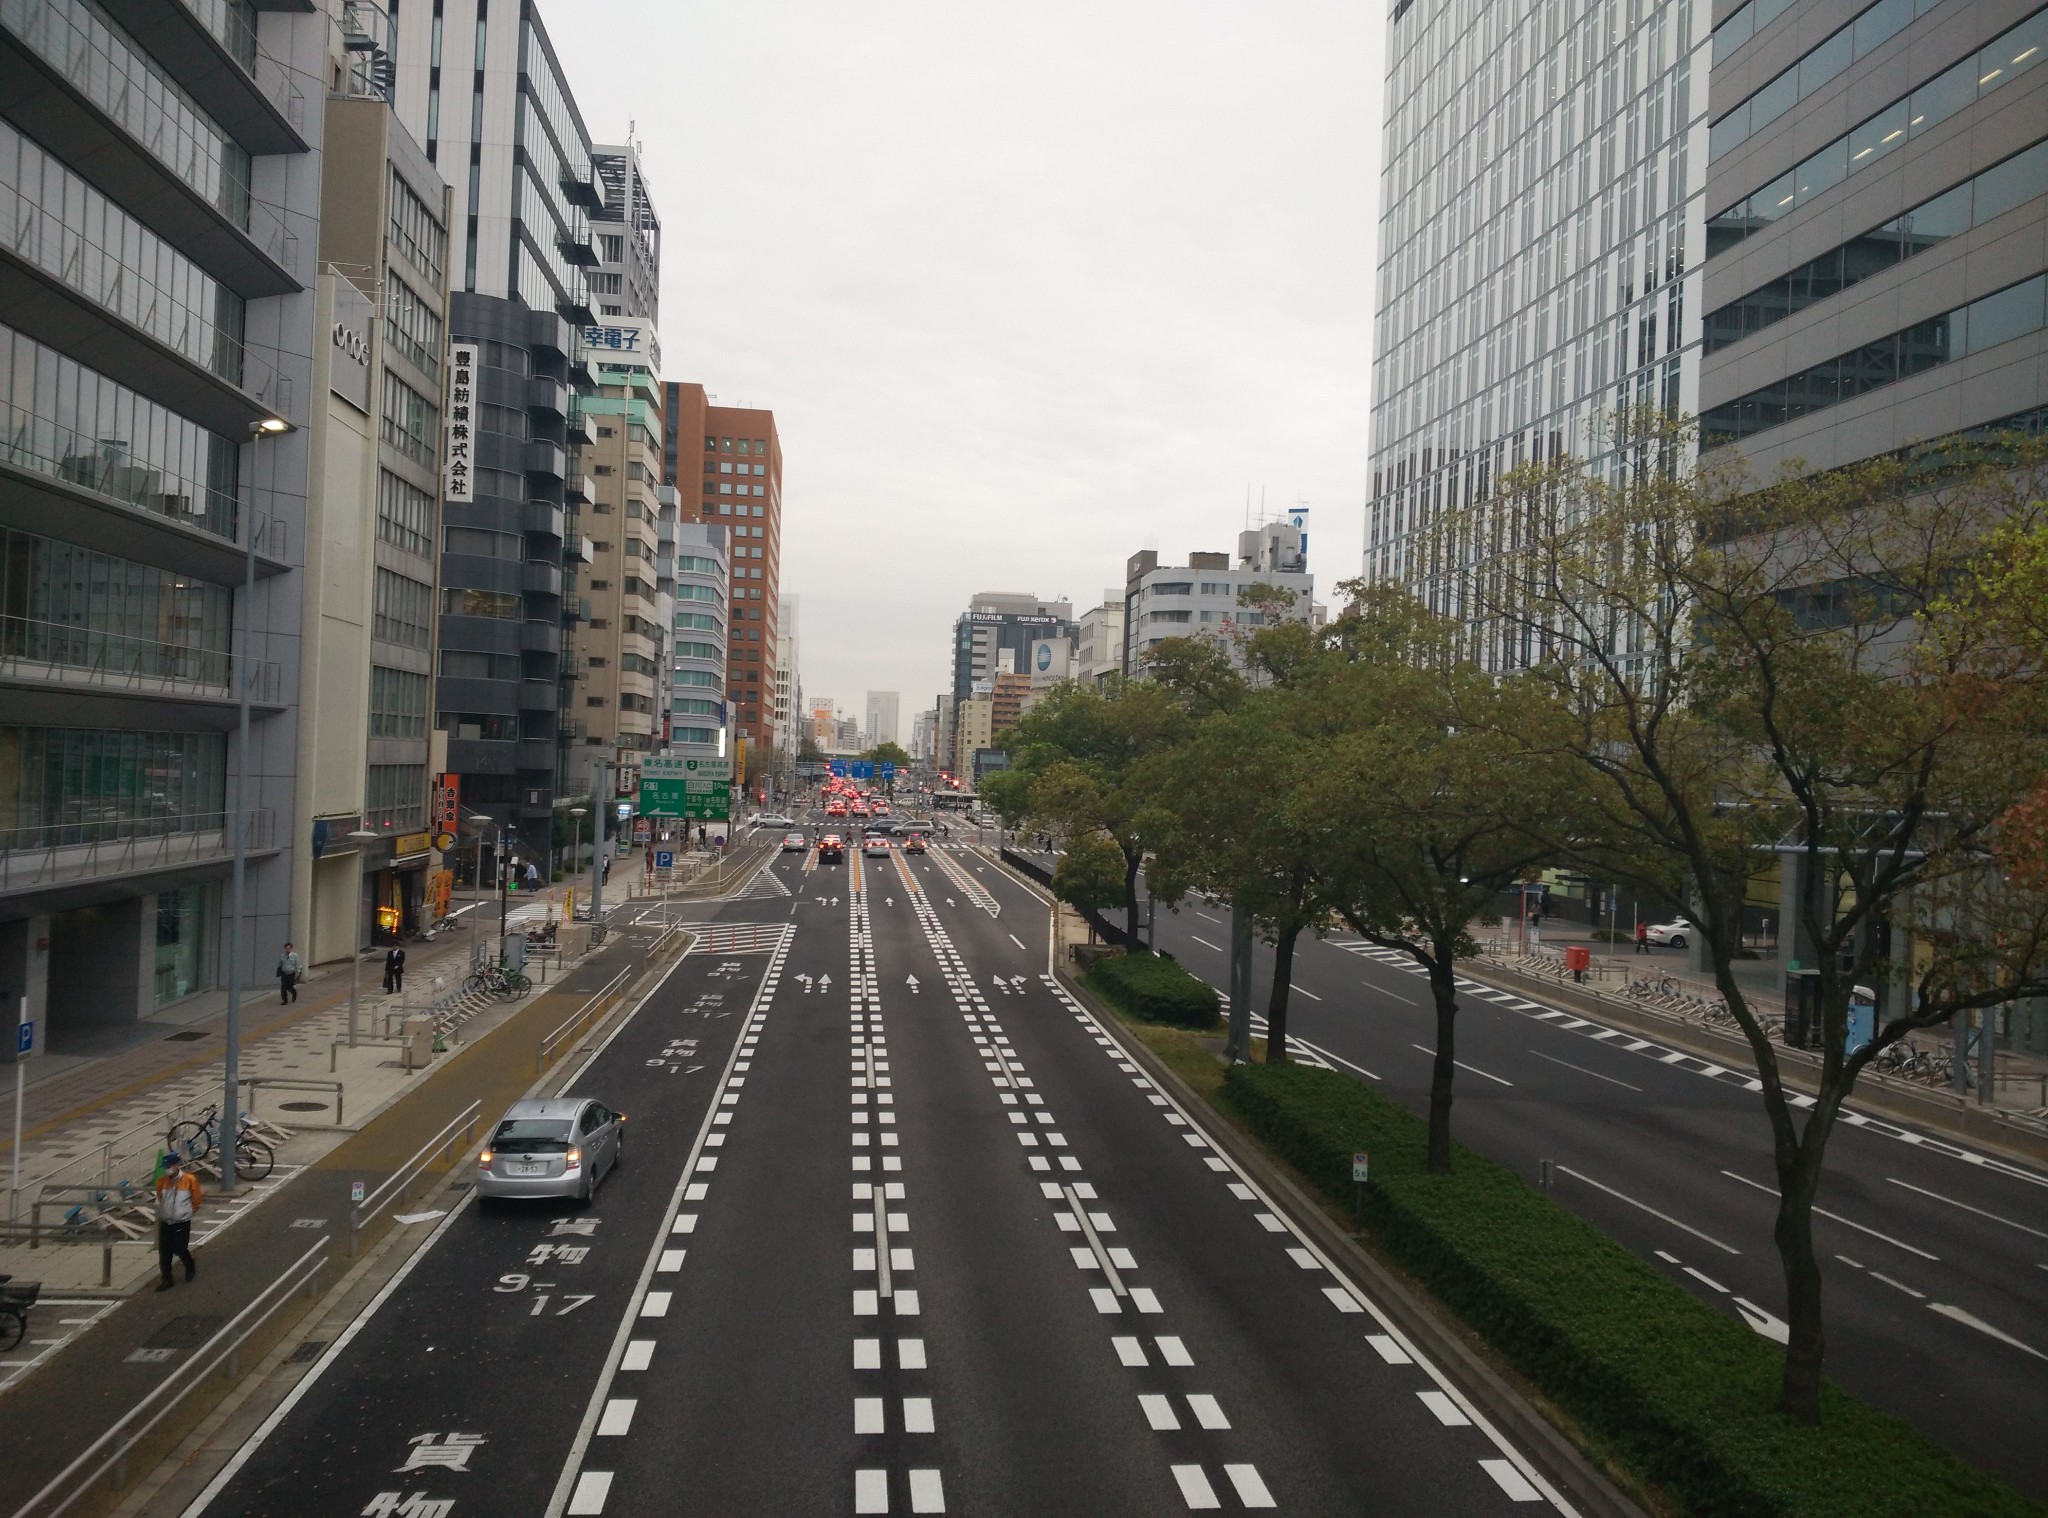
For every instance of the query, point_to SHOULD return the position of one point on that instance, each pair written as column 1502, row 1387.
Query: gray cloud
column 1029, row 287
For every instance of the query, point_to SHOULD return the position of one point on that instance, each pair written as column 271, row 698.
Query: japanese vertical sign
column 457, row 459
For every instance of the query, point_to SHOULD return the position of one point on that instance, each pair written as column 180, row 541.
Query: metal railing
column 107, row 1456
column 61, row 652
column 442, row 1143
column 576, row 1022
column 49, row 853
column 136, row 1146
column 105, row 466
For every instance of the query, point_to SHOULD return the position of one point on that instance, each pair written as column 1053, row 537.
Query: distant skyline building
column 996, row 632
column 1202, row 597
column 881, row 723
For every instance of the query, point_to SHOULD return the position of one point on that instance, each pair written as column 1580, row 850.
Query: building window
column 395, row 796
column 458, row 664
column 416, row 232
column 479, row 727
column 62, row 786
column 479, row 603
column 412, row 423
column 186, row 919
column 405, row 515
column 398, row 703
column 412, row 326
column 482, row 544
column 401, row 610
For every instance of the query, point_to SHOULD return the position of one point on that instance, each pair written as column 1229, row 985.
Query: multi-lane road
column 1936, row 1254
column 900, row 1229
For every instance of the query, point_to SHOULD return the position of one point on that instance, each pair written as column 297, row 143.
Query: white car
column 1675, row 934
column 770, row 820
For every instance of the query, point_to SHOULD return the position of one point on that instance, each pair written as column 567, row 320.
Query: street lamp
column 355, row 950
column 231, row 1077
column 575, row 854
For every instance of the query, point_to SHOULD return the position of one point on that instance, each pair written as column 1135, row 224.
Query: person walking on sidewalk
column 394, row 971
column 177, row 1199
column 289, row 967
column 1642, row 938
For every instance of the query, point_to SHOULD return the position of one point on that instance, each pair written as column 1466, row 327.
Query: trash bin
column 1578, row 959
column 418, row 1036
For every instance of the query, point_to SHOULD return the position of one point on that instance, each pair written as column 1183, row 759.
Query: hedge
column 1679, row 1393
column 1154, row 986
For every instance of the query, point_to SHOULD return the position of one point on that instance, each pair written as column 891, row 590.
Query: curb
column 1547, row 1446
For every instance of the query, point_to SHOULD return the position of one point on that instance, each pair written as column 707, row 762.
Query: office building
column 480, row 86
column 698, row 652
column 161, row 200
column 726, row 465
column 881, row 725
column 996, row 632
column 1876, row 227
column 1540, row 246
column 1099, row 640
column 1202, row 598
column 923, row 725
column 366, row 750
column 789, row 694
column 626, row 280
column 974, row 733
column 1010, row 697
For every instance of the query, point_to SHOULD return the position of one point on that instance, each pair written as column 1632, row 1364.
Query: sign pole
column 24, row 1041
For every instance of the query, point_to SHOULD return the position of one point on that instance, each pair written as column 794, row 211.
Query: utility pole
column 1237, row 1048
column 604, row 801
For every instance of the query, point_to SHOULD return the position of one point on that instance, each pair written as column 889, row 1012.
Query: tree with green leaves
column 1800, row 672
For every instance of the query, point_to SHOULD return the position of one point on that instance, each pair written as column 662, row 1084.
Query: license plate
column 515, row 1169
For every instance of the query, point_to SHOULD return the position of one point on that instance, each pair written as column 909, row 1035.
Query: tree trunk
column 1444, row 988
column 1276, row 999
column 1805, row 1343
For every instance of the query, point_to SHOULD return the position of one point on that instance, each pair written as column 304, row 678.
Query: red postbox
column 1578, row 959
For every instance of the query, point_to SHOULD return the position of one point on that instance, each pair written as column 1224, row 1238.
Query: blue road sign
column 664, row 859
column 888, row 769
column 839, row 768
column 25, row 1037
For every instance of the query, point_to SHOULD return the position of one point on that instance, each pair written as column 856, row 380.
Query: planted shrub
column 1155, row 987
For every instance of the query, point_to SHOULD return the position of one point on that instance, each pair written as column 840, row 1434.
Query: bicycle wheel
column 13, row 1325
column 254, row 1160
column 516, row 984
column 194, row 1140
column 474, row 982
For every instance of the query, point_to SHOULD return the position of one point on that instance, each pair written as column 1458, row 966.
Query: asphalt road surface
column 900, row 1229
column 1936, row 1255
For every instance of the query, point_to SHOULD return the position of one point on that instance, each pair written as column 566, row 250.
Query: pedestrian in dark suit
column 394, row 970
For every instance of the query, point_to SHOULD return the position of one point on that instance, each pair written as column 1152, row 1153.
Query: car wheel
column 1677, row 941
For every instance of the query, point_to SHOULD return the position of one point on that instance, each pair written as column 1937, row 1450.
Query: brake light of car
column 573, row 1159
column 484, row 1158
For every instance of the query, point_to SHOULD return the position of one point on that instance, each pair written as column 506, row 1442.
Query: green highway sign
column 695, row 788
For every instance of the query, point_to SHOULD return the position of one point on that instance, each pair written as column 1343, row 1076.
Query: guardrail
column 368, row 1208
column 121, row 1150
column 107, row 1456
column 577, row 1022
column 282, row 1083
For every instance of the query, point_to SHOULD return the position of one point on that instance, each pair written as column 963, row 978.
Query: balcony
column 547, row 459
column 582, row 187
column 580, row 487
column 539, row 635
column 548, row 333
column 548, row 395
column 72, row 857
column 534, row 754
column 576, row 546
column 544, row 517
column 208, row 47
column 575, row 245
column 582, row 431
column 542, row 578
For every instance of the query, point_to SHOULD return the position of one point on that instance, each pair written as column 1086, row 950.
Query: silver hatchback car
column 561, row 1146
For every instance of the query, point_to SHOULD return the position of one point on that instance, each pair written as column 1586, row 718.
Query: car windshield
column 536, row 1135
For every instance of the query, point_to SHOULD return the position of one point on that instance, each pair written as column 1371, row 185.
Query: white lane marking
column 927, row 1492
column 1159, row 1412
column 1018, row 942
column 1304, row 1259
column 639, row 1355
column 1512, row 1481
column 1302, row 991
column 910, row 1354
column 1838, row 1218
column 1145, row 1299
column 592, row 1487
column 871, row 1491
column 1583, row 1070
column 1705, row 1280
column 1389, row 1350
column 867, row 1416
column 1661, row 1217
column 1270, row 1223
column 1994, row 1217
column 671, row 1259
column 686, row 1223
column 1207, row 945
column 1242, row 1192
column 1207, row 1410
column 618, row 1417
column 1172, row 1351
column 1195, row 1489
column 655, row 1304
column 1776, row 1329
column 1104, row 1299
column 1448, row 1413
column 1878, row 1275
column 917, row 1415
column 1129, row 1351
column 1251, row 1489
column 1463, row 1066
column 1983, row 1328
column 867, row 1354
column 1341, row 1299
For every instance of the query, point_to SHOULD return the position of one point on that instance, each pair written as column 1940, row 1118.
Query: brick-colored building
column 726, row 465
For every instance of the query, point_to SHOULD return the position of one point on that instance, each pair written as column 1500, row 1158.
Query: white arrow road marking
column 1775, row 1329
column 911, row 981
column 1983, row 1328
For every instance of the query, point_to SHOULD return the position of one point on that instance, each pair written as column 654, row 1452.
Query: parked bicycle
column 498, row 981
column 195, row 1140
column 15, row 1301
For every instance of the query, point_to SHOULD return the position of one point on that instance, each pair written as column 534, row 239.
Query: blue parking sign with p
column 25, row 1037
column 664, row 859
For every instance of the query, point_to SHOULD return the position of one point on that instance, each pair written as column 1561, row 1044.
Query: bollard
column 107, row 1263
column 1544, row 1176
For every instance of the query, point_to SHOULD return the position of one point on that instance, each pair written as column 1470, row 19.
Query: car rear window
column 536, row 1135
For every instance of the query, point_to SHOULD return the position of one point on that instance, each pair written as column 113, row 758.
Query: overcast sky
column 1028, row 286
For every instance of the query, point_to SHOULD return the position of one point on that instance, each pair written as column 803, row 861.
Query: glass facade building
column 1539, row 255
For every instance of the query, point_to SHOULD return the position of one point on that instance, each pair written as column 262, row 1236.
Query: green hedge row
column 1153, row 986
column 1679, row 1393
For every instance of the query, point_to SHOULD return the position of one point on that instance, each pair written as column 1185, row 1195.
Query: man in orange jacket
column 177, row 1199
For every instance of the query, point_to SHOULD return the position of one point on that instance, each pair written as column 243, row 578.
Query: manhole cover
column 303, row 1106
column 189, row 1036
column 184, row 1333
column 310, row 1350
